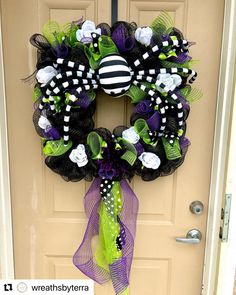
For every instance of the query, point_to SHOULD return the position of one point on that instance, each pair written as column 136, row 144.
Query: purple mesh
column 103, row 31
column 154, row 121
column 52, row 134
column 184, row 142
column 84, row 101
column 166, row 38
column 122, row 42
column 181, row 58
column 60, row 51
column 139, row 148
column 83, row 259
column 106, row 171
column 78, row 22
column 143, row 107
column 37, row 102
column 182, row 100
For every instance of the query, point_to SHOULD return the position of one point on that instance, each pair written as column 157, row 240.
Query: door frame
column 227, row 255
column 223, row 124
column 6, row 237
column 219, row 161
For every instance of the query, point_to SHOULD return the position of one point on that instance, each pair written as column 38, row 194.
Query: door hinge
column 225, row 217
column 202, row 289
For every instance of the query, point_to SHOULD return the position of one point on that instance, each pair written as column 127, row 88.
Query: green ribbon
column 36, row 94
column 172, row 151
column 57, row 103
column 136, row 94
column 96, row 144
column 166, row 55
column 130, row 154
column 141, row 127
column 105, row 45
column 56, row 147
column 109, row 229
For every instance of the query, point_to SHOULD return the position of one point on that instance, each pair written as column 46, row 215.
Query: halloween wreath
column 151, row 65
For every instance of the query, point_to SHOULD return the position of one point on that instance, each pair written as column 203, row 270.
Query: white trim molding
column 221, row 147
column 6, row 234
column 227, row 261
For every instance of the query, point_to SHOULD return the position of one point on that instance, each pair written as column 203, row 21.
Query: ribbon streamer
column 112, row 208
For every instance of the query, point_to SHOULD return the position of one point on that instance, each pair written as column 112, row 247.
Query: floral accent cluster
column 84, row 34
column 79, row 156
column 46, row 74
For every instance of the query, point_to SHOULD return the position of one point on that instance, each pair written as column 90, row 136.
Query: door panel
column 161, row 265
column 48, row 214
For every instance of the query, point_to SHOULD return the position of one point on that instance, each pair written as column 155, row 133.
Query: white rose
column 44, row 123
column 170, row 81
column 144, row 35
column 85, row 33
column 150, row 160
column 79, row 156
column 131, row 135
column 44, row 75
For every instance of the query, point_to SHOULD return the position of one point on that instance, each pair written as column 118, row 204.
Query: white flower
column 44, row 123
column 84, row 34
column 131, row 135
column 44, row 75
column 79, row 156
column 144, row 35
column 150, row 160
column 170, row 81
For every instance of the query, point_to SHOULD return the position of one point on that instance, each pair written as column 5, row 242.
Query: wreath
column 151, row 65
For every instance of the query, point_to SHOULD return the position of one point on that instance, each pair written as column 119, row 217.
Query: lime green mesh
column 70, row 30
column 142, row 129
column 106, row 46
column 162, row 24
column 57, row 102
column 53, row 33
column 91, row 94
column 56, row 147
column 109, row 229
column 166, row 55
column 93, row 57
column 67, row 27
column 130, row 154
column 125, row 292
column 136, row 94
column 188, row 64
column 96, row 143
column 36, row 94
column 172, row 150
column 191, row 94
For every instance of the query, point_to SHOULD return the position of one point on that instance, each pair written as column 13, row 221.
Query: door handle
column 194, row 236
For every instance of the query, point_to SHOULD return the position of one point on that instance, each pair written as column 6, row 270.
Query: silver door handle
column 194, row 236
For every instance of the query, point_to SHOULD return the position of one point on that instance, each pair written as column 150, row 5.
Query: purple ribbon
column 143, row 107
column 83, row 259
column 184, row 142
column 181, row 58
column 60, row 51
column 122, row 42
column 154, row 121
column 52, row 134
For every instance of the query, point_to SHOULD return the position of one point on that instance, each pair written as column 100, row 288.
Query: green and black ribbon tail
column 111, row 207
